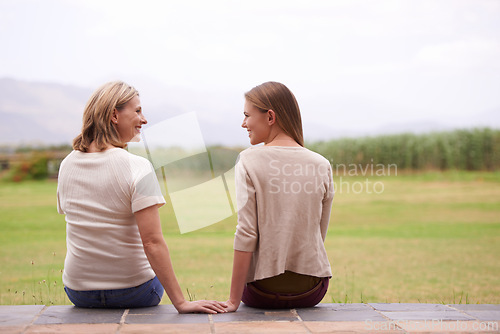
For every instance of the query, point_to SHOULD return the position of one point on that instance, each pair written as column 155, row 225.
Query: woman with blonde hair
column 116, row 254
column 284, row 196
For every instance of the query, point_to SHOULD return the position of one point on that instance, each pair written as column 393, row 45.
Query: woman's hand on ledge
column 231, row 306
column 201, row 306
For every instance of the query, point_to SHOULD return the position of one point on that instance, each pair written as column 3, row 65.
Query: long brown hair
column 97, row 126
column 277, row 97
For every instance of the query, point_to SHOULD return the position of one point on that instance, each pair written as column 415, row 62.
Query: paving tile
column 476, row 307
column 166, row 328
column 326, row 314
column 352, row 327
column 12, row 329
column 287, row 327
column 484, row 315
column 399, row 307
column 167, row 318
column 484, row 312
column 65, row 314
column 255, row 315
column 74, row 329
column 345, row 307
column 427, row 315
column 160, row 309
column 18, row 315
column 248, row 309
column 448, row 327
column 163, row 314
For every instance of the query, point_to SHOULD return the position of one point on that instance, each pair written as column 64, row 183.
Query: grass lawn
column 417, row 237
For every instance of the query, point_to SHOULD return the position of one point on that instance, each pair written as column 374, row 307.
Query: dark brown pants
column 255, row 295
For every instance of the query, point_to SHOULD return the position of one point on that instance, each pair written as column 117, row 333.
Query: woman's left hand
column 231, row 306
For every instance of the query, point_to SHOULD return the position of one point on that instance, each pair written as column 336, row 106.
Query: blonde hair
column 97, row 126
column 277, row 97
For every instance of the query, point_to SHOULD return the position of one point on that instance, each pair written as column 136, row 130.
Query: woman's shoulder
column 134, row 159
column 137, row 165
column 249, row 152
column 115, row 155
column 296, row 152
column 316, row 156
column 253, row 153
column 256, row 156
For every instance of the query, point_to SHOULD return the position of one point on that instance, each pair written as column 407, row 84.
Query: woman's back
column 99, row 192
column 284, row 194
column 284, row 199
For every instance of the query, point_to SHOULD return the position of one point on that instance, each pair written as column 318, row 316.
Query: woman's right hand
column 201, row 306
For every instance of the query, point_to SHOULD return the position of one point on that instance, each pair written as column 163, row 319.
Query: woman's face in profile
column 130, row 119
column 256, row 123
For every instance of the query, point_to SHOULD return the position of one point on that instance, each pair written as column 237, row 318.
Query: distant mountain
column 34, row 112
column 50, row 113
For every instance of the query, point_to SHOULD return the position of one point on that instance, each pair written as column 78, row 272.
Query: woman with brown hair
column 284, row 196
column 116, row 254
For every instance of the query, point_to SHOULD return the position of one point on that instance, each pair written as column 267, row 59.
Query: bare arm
column 241, row 264
column 327, row 207
column 246, row 237
column 155, row 247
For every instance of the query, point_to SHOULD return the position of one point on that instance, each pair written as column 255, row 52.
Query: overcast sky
column 358, row 65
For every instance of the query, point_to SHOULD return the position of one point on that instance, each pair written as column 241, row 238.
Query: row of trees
column 476, row 149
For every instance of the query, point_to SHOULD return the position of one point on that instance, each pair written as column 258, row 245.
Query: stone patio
column 324, row 318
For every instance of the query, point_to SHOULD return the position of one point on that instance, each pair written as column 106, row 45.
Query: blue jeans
column 144, row 295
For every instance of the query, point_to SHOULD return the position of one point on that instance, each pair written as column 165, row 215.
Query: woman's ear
column 271, row 117
column 114, row 117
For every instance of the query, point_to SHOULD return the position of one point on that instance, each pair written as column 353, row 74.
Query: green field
column 424, row 237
